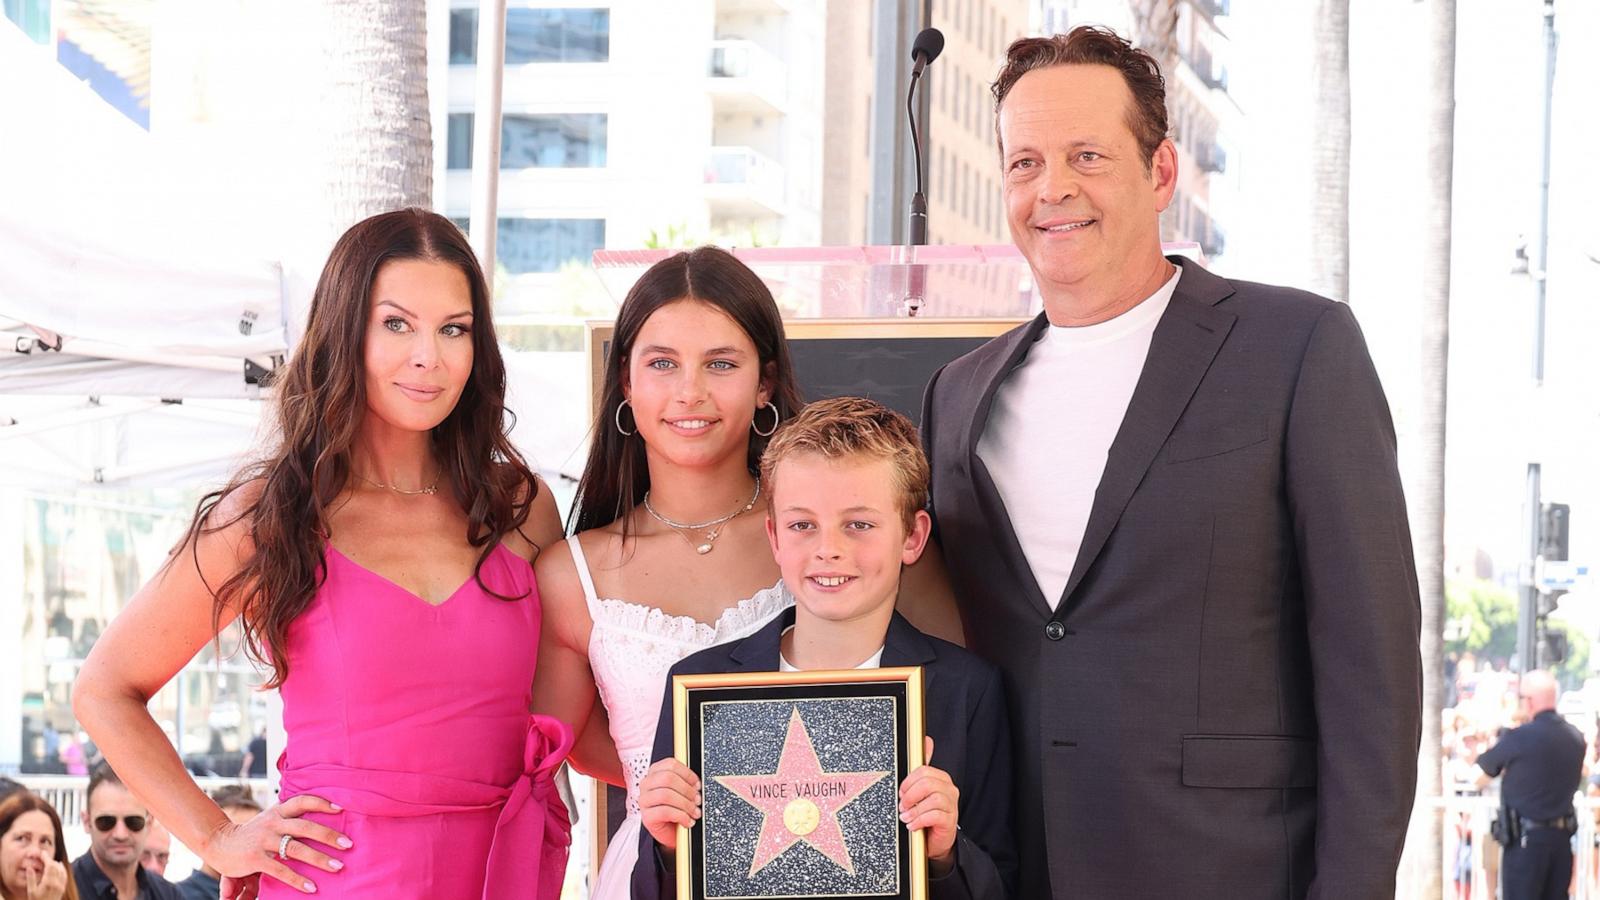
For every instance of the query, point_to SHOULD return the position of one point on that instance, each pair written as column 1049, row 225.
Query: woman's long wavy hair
column 321, row 404
column 616, row 474
column 26, row 801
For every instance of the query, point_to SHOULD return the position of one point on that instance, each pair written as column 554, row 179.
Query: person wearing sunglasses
column 117, row 823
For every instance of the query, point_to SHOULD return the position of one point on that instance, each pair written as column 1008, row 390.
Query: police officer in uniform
column 1542, row 762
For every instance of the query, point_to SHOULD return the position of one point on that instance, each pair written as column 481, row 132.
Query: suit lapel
column 760, row 651
column 1186, row 340
column 994, row 508
column 904, row 645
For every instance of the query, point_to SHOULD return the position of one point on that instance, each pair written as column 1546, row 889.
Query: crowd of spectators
column 128, row 849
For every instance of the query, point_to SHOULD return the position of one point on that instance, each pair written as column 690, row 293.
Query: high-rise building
column 1188, row 41
column 961, row 165
column 637, row 123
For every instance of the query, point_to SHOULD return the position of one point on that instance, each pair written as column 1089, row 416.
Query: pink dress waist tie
column 531, row 836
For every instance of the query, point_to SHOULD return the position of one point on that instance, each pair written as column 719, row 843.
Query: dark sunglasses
column 106, row 823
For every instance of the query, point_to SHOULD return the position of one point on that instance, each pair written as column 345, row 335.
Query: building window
column 32, row 16
column 538, row 36
column 560, row 141
column 545, row 245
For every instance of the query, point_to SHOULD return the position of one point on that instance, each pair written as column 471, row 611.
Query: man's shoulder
column 988, row 354
column 958, row 661
column 1276, row 302
column 85, row 865
column 158, row 887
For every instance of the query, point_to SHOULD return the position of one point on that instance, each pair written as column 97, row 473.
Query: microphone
column 926, row 48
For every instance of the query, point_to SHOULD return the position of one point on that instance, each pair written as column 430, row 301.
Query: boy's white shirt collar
column 872, row 662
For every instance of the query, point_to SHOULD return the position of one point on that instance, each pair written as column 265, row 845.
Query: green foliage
column 1482, row 620
column 673, row 237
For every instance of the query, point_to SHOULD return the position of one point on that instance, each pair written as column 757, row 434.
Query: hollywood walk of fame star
column 800, row 802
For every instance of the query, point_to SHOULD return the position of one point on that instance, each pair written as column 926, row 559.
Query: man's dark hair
column 1094, row 45
column 102, row 774
column 235, row 796
column 8, row 787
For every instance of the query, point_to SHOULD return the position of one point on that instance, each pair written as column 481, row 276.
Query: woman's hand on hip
column 262, row 846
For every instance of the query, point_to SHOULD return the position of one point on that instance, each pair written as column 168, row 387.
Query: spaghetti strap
column 582, row 565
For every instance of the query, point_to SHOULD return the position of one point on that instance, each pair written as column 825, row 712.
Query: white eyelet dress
column 631, row 649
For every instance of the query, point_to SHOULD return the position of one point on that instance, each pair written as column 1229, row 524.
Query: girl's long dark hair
column 616, row 475
column 320, row 406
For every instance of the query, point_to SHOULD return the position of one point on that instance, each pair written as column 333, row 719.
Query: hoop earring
column 777, row 417
column 617, row 418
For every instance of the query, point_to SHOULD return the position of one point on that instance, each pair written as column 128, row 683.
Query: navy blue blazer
column 965, row 716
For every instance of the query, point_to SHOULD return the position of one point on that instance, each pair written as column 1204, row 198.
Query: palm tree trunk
column 1330, row 150
column 1425, row 842
column 378, row 138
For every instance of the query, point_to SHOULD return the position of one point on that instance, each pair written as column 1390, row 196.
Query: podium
column 850, row 328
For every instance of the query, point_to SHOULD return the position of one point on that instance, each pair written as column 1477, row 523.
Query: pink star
column 800, row 802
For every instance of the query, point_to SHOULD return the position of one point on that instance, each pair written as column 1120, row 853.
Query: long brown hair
column 616, row 475
column 320, row 405
column 25, row 801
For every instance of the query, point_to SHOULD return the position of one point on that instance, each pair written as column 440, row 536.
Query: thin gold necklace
column 430, row 489
column 711, row 529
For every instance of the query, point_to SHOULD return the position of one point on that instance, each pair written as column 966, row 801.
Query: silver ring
column 283, row 847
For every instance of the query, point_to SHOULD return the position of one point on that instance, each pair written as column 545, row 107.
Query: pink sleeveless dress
column 414, row 718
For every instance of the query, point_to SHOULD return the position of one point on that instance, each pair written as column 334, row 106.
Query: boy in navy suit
column 846, row 484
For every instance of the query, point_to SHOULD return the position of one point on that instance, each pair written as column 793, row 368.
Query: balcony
column 1211, row 157
column 1206, row 69
column 743, row 183
column 758, row 7
column 1212, row 241
column 745, row 77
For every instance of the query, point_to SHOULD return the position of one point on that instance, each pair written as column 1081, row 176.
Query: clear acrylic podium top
column 962, row 281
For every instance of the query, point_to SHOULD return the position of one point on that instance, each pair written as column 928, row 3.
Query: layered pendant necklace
column 709, row 530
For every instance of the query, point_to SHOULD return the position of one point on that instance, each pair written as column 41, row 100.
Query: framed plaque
column 800, row 778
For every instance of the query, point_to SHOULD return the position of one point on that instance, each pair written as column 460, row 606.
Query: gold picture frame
column 831, row 700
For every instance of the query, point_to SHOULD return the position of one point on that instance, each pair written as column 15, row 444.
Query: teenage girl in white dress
column 670, row 554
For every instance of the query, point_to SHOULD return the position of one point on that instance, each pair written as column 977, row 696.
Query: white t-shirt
column 1052, row 424
column 872, row 662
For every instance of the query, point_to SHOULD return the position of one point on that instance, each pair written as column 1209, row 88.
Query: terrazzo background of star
column 745, row 737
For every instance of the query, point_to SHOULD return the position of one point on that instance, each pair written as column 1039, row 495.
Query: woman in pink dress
column 378, row 559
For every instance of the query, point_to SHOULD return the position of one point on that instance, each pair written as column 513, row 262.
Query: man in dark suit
column 1172, row 515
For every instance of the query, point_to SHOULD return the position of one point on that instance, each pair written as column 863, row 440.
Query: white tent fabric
column 108, row 254
column 122, row 285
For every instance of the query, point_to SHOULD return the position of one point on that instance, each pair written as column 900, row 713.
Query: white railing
column 746, row 65
column 65, row 792
column 1471, row 814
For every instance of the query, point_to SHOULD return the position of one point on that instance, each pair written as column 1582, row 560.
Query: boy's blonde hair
column 844, row 428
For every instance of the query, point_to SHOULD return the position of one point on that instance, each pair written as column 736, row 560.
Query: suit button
column 1055, row 631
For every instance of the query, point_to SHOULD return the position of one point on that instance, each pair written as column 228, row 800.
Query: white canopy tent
column 133, row 328
column 119, row 307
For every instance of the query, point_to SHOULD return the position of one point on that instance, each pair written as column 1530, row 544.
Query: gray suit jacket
column 1226, row 702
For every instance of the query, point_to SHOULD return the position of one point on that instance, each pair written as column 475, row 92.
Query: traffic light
column 1552, row 648
column 1554, row 529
